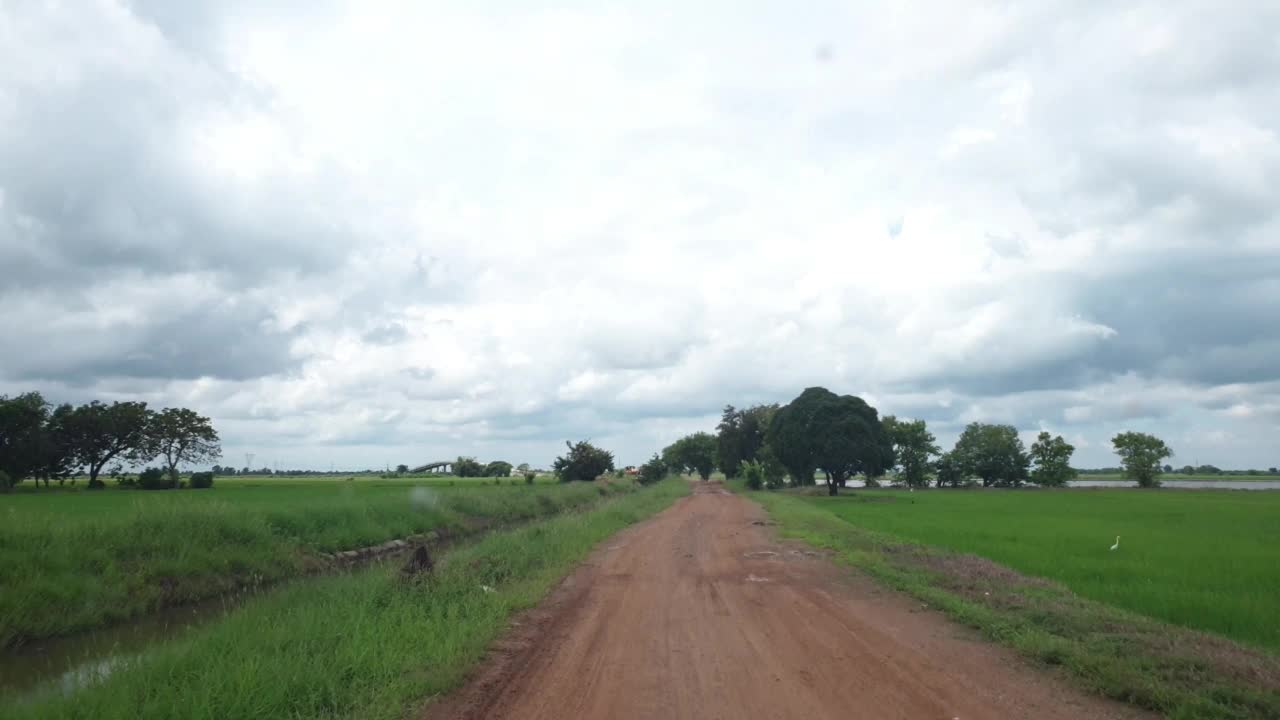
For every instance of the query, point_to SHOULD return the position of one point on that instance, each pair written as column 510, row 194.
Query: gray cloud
column 452, row 240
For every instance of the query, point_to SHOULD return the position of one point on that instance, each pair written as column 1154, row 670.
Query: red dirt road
column 700, row 613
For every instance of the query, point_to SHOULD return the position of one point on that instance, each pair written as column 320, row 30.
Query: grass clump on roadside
column 1182, row 673
column 363, row 645
column 84, row 560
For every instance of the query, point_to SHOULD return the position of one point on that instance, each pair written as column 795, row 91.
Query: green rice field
column 1208, row 560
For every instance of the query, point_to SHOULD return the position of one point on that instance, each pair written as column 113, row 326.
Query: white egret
column 1117, row 545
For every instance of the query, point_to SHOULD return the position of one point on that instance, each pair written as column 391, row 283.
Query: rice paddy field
column 1208, row 560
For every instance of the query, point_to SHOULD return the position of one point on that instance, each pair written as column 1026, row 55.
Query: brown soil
column 700, row 613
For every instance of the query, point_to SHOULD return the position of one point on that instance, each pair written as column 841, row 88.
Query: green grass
column 359, row 645
column 920, row 543
column 1204, row 559
column 85, row 559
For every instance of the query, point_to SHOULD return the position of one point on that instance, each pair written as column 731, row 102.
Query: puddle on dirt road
column 66, row 664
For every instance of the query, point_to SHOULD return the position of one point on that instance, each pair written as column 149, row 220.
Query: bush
column 654, row 470
column 752, row 473
column 155, row 479
column 6, row 482
column 772, row 468
column 201, row 480
column 529, row 475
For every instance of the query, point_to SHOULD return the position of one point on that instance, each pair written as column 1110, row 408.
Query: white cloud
column 350, row 230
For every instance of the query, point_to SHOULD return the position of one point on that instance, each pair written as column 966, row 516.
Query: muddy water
column 66, row 664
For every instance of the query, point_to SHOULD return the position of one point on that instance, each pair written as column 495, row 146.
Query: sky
column 358, row 234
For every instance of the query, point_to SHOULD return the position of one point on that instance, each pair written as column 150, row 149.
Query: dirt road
column 700, row 613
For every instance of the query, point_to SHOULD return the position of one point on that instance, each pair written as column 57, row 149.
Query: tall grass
column 1203, row 559
column 365, row 644
column 80, row 560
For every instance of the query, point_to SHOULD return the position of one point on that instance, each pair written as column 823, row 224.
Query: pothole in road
column 760, row 554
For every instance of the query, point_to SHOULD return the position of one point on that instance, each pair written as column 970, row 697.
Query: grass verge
column 361, row 645
column 73, row 562
column 1181, row 673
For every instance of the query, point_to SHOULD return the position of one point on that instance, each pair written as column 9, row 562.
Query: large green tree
column 913, row 448
column 584, row 461
column 740, row 435
column 838, row 434
column 994, row 453
column 96, row 434
column 466, row 466
column 948, row 471
column 1052, row 458
column 1141, row 454
column 23, row 430
column 181, row 436
column 497, row 468
column 692, row 453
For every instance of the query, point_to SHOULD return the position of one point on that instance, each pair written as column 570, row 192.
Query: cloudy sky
column 362, row 233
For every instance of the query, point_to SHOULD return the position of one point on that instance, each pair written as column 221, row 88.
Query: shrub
column 654, row 470
column 752, row 473
column 529, row 475
column 6, row 482
column 773, row 470
column 201, row 480
column 155, row 479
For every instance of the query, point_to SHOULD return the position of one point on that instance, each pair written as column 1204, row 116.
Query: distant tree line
column 45, row 442
column 843, row 437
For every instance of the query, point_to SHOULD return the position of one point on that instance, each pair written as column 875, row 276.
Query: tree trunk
column 833, row 488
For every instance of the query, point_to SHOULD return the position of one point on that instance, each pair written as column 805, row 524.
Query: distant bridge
column 443, row 466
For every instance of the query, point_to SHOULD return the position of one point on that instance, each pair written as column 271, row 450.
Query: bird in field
column 1117, row 545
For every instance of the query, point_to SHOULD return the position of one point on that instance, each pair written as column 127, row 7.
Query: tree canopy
column 1141, row 455
column 692, row 453
column 96, row 434
column 180, row 435
column 1052, row 457
column 740, row 435
column 839, row 434
column 584, row 461
column 913, row 448
column 993, row 453
column 497, row 468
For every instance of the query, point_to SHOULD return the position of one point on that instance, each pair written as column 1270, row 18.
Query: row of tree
column 842, row 436
column 46, row 442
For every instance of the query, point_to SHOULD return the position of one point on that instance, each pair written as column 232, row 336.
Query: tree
column 839, row 434
column 497, row 468
column 523, row 467
column 1187, row 470
column 31, row 443
column 692, row 453
column 740, row 435
column 96, row 434
column 913, row 446
column 949, row 472
column 467, row 467
column 1052, row 456
column 179, row 436
column 1273, row 471
column 1140, row 454
column 1168, row 468
column 584, row 461
column 653, row 471
column 994, row 453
